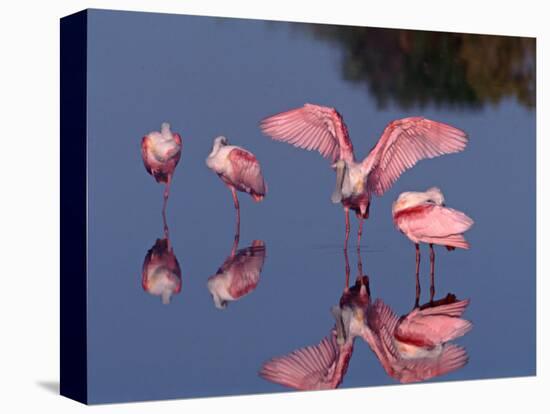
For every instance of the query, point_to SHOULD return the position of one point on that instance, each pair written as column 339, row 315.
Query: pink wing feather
column 454, row 309
column 247, row 174
column 246, row 267
column 431, row 223
column 384, row 323
column 435, row 325
column 145, row 153
column 403, row 143
column 306, row 368
column 452, row 357
column 380, row 315
column 312, row 127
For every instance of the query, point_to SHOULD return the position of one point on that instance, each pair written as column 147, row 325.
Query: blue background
column 212, row 76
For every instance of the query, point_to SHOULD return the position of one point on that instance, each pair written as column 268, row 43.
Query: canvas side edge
column 73, row 207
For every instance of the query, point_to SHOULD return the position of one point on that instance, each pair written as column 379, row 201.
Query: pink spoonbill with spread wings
column 423, row 218
column 161, row 152
column 239, row 170
column 403, row 143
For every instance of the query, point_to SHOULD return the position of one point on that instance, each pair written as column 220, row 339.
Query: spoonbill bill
column 403, row 143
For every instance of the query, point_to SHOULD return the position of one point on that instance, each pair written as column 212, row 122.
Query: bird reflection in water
column 414, row 347
column 161, row 272
column 323, row 366
column 239, row 274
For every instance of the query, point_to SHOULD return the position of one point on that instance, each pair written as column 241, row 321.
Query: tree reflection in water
column 416, row 68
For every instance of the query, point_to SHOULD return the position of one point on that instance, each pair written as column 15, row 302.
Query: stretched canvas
column 255, row 206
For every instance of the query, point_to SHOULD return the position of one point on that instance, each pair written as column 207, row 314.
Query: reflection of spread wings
column 245, row 269
column 308, row 368
column 434, row 325
column 383, row 322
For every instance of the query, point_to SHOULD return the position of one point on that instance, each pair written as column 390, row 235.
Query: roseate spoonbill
column 239, row 274
column 423, row 217
column 403, row 143
column 416, row 346
column 161, row 152
column 323, row 366
column 239, row 170
column 161, row 273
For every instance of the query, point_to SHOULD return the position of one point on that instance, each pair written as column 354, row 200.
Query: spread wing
column 246, row 172
column 306, row 368
column 405, row 142
column 381, row 316
column 382, row 322
column 312, row 127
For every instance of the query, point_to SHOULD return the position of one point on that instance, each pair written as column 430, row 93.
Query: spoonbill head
column 402, row 144
column 410, row 199
column 239, row 170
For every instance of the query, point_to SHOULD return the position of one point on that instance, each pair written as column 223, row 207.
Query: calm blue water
column 210, row 76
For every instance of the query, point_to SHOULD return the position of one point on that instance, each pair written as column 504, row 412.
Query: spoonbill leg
column 164, row 205
column 432, row 272
column 360, row 233
column 417, row 300
column 238, row 209
column 347, row 270
column 346, row 210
